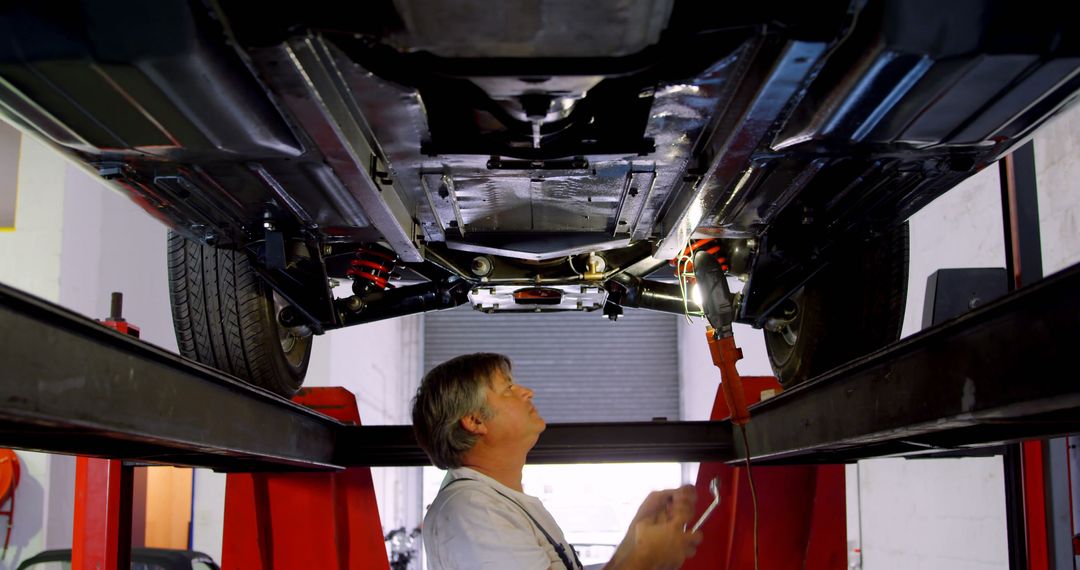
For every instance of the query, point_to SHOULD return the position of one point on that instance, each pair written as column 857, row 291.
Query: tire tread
column 223, row 315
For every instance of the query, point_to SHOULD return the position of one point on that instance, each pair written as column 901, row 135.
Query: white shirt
column 470, row 526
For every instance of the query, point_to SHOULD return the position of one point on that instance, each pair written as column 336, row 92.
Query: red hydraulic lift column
column 305, row 520
column 766, row 517
column 802, row 517
column 101, row 536
column 101, row 539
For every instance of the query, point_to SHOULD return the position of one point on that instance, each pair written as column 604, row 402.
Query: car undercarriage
column 534, row 155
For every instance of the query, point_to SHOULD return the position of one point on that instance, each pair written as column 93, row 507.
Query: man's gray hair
column 448, row 393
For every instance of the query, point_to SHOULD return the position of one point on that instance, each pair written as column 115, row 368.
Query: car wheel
column 225, row 316
column 850, row 308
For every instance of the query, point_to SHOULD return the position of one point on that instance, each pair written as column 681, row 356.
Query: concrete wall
column 933, row 513
column 31, row 254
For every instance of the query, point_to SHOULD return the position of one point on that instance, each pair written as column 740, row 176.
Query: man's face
column 516, row 420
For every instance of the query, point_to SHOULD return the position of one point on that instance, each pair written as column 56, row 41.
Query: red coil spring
column 371, row 270
column 712, row 246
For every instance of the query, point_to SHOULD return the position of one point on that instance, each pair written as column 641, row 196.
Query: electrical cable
column 570, row 260
column 753, row 492
column 683, row 262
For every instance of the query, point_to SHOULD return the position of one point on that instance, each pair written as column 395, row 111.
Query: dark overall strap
column 559, row 548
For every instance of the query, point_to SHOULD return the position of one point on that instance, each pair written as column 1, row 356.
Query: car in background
column 141, row 559
column 533, row 156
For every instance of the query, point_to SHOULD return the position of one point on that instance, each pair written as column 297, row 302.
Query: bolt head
column 481, row 266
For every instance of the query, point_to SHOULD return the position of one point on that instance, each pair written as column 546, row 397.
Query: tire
column 850, row 308
column 225, row 316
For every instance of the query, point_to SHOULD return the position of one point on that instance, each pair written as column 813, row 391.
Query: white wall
column 110, row 244
column 30, row 260
column 377, row 362
column 962, row 228
column 933, row 513
column 907, row 513
column 1057, row 168
column 31, row 254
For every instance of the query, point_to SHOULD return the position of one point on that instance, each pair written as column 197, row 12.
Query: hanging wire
column 570, row 260
column 753, row 491
column 683, row 263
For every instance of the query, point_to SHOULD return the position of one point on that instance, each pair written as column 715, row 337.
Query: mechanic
column 473, row 420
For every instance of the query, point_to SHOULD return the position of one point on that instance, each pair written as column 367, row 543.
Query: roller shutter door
column 582, row 366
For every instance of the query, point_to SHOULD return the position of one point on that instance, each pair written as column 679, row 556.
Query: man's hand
column 657, row 539
column 667, row 502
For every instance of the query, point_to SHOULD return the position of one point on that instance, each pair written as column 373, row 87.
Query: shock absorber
column 370, row 269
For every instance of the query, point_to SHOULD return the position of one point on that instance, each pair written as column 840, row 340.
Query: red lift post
column 305, row 520
column 800, row 511
column 101, row 537
column 802, row 517
column 272, row 520
column 768, row 517
column 102, row 531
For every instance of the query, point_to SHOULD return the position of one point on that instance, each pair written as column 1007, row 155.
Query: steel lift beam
column 71, row 385
column 999, row 373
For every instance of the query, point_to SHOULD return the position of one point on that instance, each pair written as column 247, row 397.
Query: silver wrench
column 714, row 489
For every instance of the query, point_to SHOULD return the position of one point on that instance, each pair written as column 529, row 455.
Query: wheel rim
column 789, row 335
column 786, row 337
column 294, row 344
